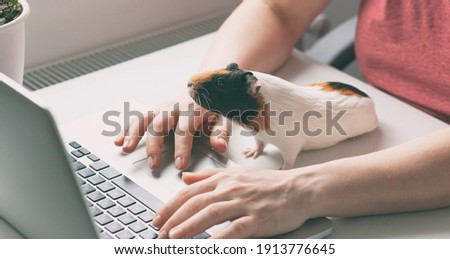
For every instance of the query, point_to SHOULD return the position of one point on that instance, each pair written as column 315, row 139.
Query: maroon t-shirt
column 403, row 47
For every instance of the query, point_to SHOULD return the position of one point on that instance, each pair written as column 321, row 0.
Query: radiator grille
column 50, row 74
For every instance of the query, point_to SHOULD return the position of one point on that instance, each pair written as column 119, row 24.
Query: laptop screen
column 38, row 191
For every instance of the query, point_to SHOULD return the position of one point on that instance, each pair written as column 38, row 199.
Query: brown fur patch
column 341, row 88
column 200, row 78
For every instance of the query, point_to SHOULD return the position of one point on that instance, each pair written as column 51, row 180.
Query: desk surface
column 156, row 77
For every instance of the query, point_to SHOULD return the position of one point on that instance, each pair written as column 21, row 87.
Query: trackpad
column 170, row 177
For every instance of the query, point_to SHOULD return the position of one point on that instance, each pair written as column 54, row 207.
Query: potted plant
column 13, row 14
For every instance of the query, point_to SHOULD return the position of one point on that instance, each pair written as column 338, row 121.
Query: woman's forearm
column 260, row 34
column 411, row 176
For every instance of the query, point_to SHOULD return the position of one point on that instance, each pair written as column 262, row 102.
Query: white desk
column 159, row 76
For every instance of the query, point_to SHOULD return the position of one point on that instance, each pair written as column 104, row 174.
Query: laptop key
column 136, row 209
column 137, row 227
column 98, row 228
column 84, row 151
column 148, row 234
column 116, row 211
column 110, row 173
column 146, row 216
column 85, row 173
column 96, row 179
column 106, row 187
column 125, row 234
column 87, row 188
column 71, row 158
column 77, row 153
column 96, row 196
column 103, row 219
column 93, row 157
column 127, row 219
column 115, row 194
column 77, row 166
column 99, row 165
column 126, row 201
column 114, row 227
column 95, row 211
column 106, row 204
column 155, row 228
column 74, row 144
column 80, row 180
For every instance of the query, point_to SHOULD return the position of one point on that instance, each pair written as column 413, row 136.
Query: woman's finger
column 130, row 136
column 211, row 215
column 190, row 120
column 160, row 126
column 220, row 134
column 240, row 228
column 166, row 211
column 190, row 178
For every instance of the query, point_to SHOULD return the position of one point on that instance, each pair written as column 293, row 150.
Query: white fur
column 359, row 117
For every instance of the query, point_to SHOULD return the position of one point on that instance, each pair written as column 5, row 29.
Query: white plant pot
column 12, row 45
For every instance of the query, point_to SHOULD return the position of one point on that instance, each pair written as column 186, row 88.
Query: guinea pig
column 275, row 111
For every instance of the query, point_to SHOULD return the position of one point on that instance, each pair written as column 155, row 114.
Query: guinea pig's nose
column 191, row 91
column 189, row 85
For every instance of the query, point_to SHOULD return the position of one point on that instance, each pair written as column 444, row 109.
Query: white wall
column 58, row 29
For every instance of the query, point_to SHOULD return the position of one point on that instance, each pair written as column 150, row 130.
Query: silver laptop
column 67, row 188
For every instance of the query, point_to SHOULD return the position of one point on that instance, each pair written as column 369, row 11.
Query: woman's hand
column 258, row 203
column 183, row 116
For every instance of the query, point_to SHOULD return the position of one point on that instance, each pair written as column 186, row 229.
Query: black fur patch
column 230, row 95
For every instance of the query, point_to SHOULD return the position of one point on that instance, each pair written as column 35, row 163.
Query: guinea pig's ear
column 232, row 67
column 246, row 76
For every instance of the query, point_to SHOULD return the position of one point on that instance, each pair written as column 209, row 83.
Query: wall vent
column 56, row 72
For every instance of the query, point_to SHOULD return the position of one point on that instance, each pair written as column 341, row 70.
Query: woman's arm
column 260, row 34
column 411, row 176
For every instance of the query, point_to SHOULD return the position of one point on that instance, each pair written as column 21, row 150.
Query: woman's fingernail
column 223, row 142
column 163, row 235
column 126, row 143
column 150, row 161
column 157, row 221
column 178, row 162
column 176, row 233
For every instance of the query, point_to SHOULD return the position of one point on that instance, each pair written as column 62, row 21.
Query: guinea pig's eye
column 219, row 82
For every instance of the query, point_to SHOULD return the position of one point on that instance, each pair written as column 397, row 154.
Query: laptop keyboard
column 120, row 208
